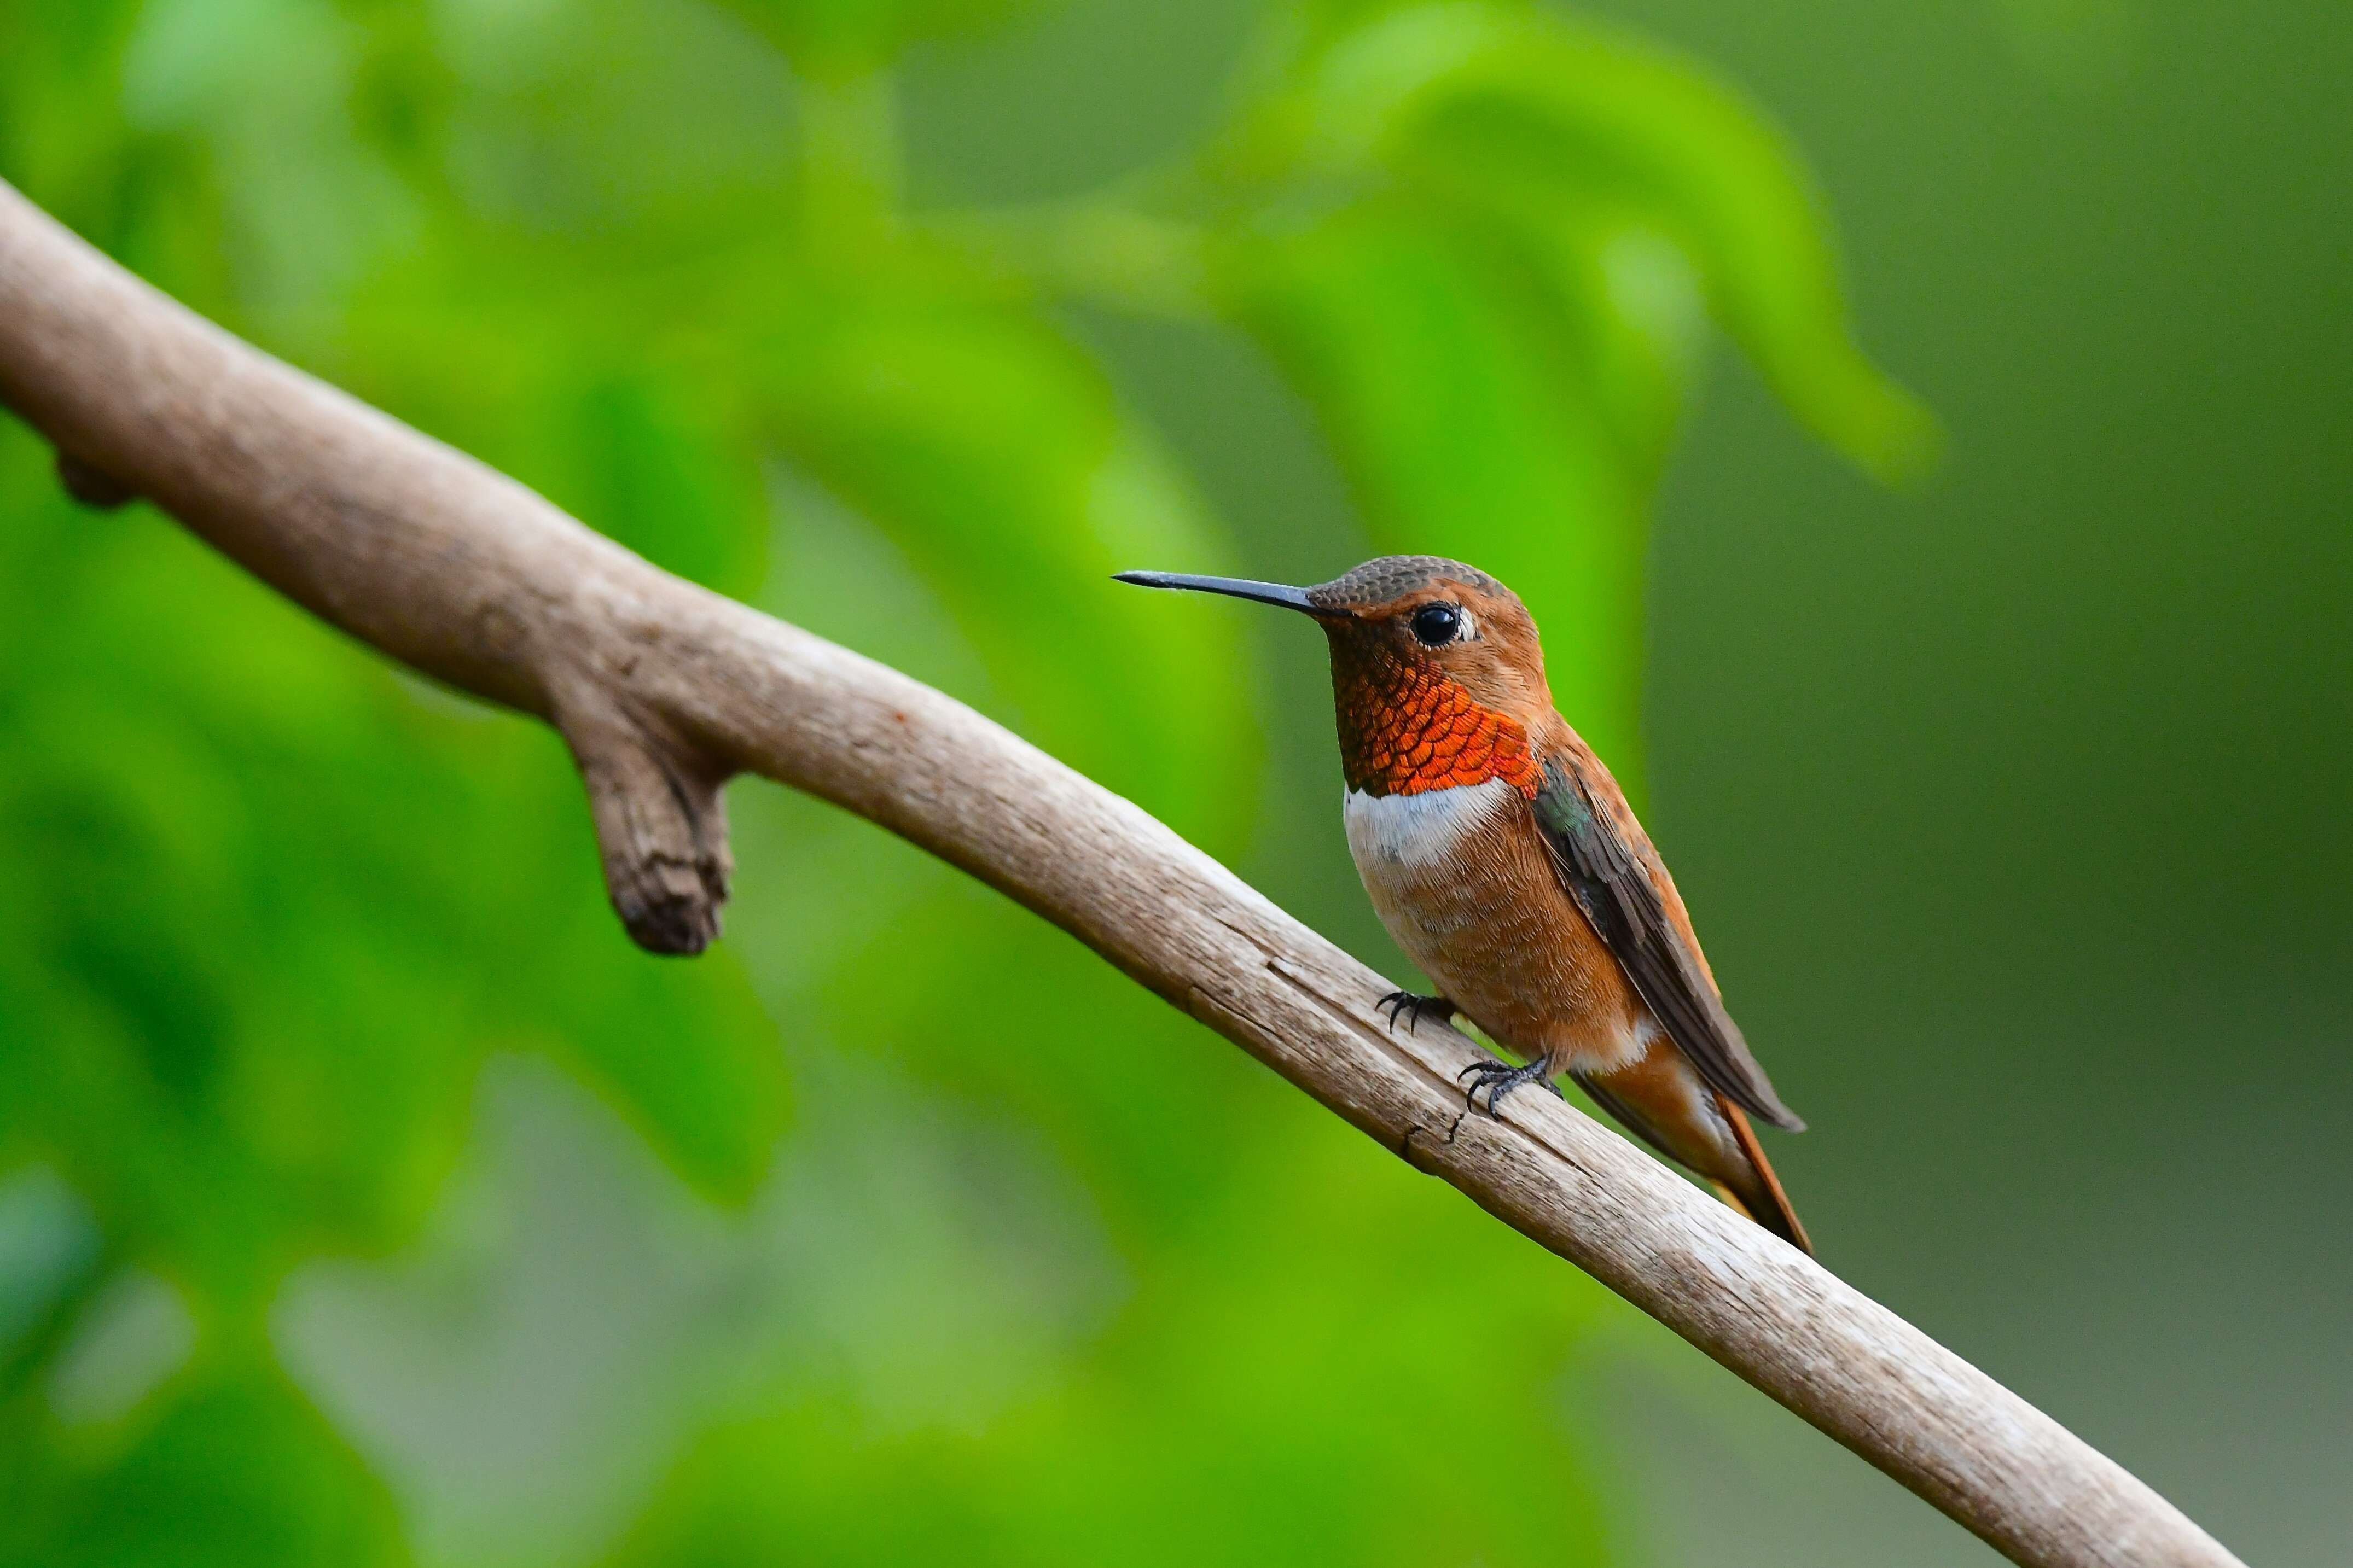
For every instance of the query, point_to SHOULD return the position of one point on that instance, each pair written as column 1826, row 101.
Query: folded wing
column 1609, row 878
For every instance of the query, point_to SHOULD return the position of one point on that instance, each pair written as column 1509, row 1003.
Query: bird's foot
column 1500, row 1079
column 1414, row 1007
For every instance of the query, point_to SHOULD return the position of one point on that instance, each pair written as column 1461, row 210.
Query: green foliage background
column 364, row 1197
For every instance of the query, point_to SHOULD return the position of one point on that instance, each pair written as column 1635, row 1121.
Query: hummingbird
column 1504, row 861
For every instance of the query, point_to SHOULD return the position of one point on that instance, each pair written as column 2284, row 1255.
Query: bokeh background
column 365, row 1198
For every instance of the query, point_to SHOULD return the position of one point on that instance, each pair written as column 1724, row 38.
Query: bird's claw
column 1414, row 1006
column 1500, row 1079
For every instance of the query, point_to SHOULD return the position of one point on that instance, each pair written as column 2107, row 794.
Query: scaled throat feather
column 1407, row 727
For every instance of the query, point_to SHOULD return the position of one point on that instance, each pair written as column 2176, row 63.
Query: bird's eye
column 1437, row 624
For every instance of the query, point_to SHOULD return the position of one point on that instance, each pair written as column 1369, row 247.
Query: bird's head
column 1437, row 675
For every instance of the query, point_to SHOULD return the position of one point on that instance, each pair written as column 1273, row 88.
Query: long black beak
column 1235, row 587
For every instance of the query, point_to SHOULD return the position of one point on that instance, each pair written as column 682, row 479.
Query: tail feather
column 1662, row 1102
column 1763, row 1199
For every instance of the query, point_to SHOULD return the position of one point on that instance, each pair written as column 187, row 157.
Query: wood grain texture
column 664, row 689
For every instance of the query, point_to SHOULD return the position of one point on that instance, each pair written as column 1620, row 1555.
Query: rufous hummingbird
column 1504, row 858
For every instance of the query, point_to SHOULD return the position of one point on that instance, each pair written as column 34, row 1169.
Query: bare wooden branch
column 662, row 823
column 663, row 690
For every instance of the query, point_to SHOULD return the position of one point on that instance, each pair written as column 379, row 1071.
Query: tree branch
column 664, row 689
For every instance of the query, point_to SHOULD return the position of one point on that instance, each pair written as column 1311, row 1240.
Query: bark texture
column 664, row 690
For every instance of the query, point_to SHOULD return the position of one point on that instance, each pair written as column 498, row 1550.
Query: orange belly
column 1462, row 879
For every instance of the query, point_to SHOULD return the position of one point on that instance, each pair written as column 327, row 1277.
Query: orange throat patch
column 1406, row 729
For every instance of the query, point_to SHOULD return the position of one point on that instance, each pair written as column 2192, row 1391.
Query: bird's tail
column 1759, row 1195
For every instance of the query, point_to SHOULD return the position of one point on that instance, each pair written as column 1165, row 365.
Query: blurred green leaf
column 687, row 1054
column 1526, row 114
column 655, row 472
column 52, row 1260
column 235, row 1468
column 841, row 37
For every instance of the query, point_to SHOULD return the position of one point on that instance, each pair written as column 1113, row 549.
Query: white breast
column 1393, row 833
column 1409, row 848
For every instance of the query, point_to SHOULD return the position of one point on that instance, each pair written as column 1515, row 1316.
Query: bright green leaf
column 1522, row 112
column 684, row 1051
column 236, row 1470
column 831, row 37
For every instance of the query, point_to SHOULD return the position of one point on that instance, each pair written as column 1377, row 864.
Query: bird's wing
column 1607, row 872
